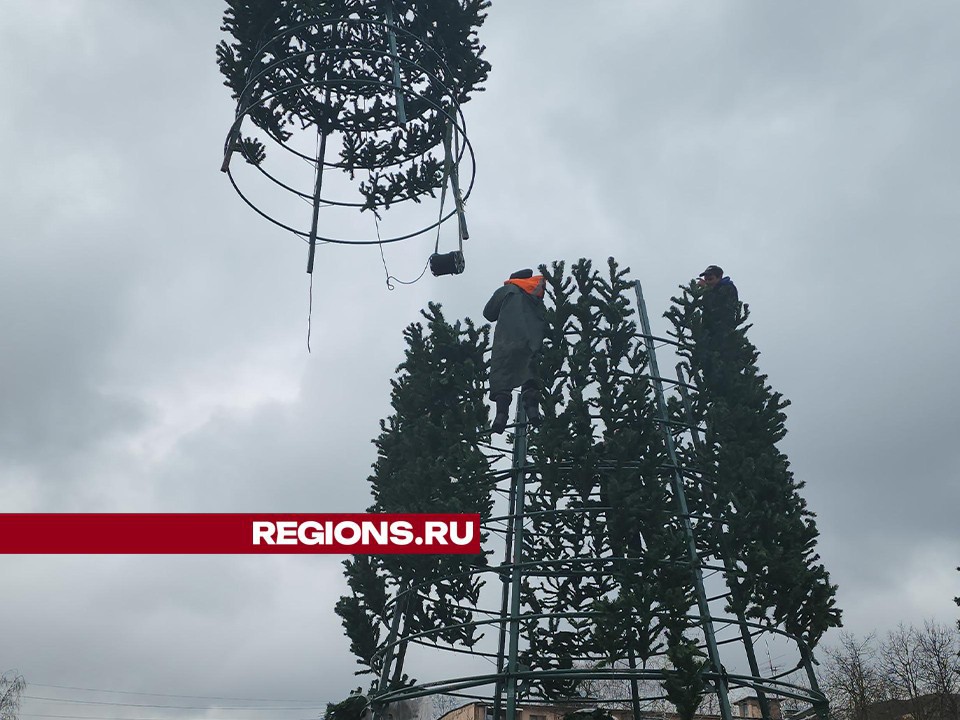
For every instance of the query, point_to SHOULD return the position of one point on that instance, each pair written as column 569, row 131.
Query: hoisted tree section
column 352, row 106
column 646, row 545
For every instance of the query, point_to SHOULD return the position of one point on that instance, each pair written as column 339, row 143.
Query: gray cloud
column 155, row 328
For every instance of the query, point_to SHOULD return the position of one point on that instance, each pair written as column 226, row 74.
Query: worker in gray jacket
column 517, row 308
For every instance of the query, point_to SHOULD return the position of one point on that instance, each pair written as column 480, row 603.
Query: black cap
column 522, row 274
column 713, row 270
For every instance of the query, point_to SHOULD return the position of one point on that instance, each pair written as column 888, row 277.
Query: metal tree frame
column 288, row 82
column 503, row 689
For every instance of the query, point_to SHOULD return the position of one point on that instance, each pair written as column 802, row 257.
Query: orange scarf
column 531, row 285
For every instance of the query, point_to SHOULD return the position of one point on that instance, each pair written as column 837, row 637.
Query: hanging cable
column 383, row 259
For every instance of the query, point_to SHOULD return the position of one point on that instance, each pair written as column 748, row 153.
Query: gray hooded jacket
column 521, row 324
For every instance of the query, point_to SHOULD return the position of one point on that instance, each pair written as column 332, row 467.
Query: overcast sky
column 154, row 328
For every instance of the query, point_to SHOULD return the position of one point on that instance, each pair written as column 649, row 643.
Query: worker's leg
column 530, row 395
column 503, row 412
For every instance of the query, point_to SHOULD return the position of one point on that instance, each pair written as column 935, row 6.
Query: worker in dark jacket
column 517, row 308
column 720, row 303
column 720, row 298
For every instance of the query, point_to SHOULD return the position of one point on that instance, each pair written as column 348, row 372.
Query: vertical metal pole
column 392, row 39
column 822, row 708
column 316, row 189
column 234, row 135
column 455, row 178
column 505, row 594
column 229, row 147
column 678, row 490
column 399, row 608
column 634, row 686
column 519, row 479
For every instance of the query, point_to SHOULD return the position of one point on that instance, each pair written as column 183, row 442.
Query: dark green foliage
column 616, row 544
column 363, row 611
column 607, row 578
column 252, row 150
column 327, row 65
column 428, row 461
column 762, row 526
column 350, row 709
column 685, row 685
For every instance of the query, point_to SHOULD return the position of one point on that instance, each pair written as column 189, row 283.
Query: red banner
column 195, row 533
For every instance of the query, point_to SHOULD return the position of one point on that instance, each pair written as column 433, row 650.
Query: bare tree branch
column 11, row 685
